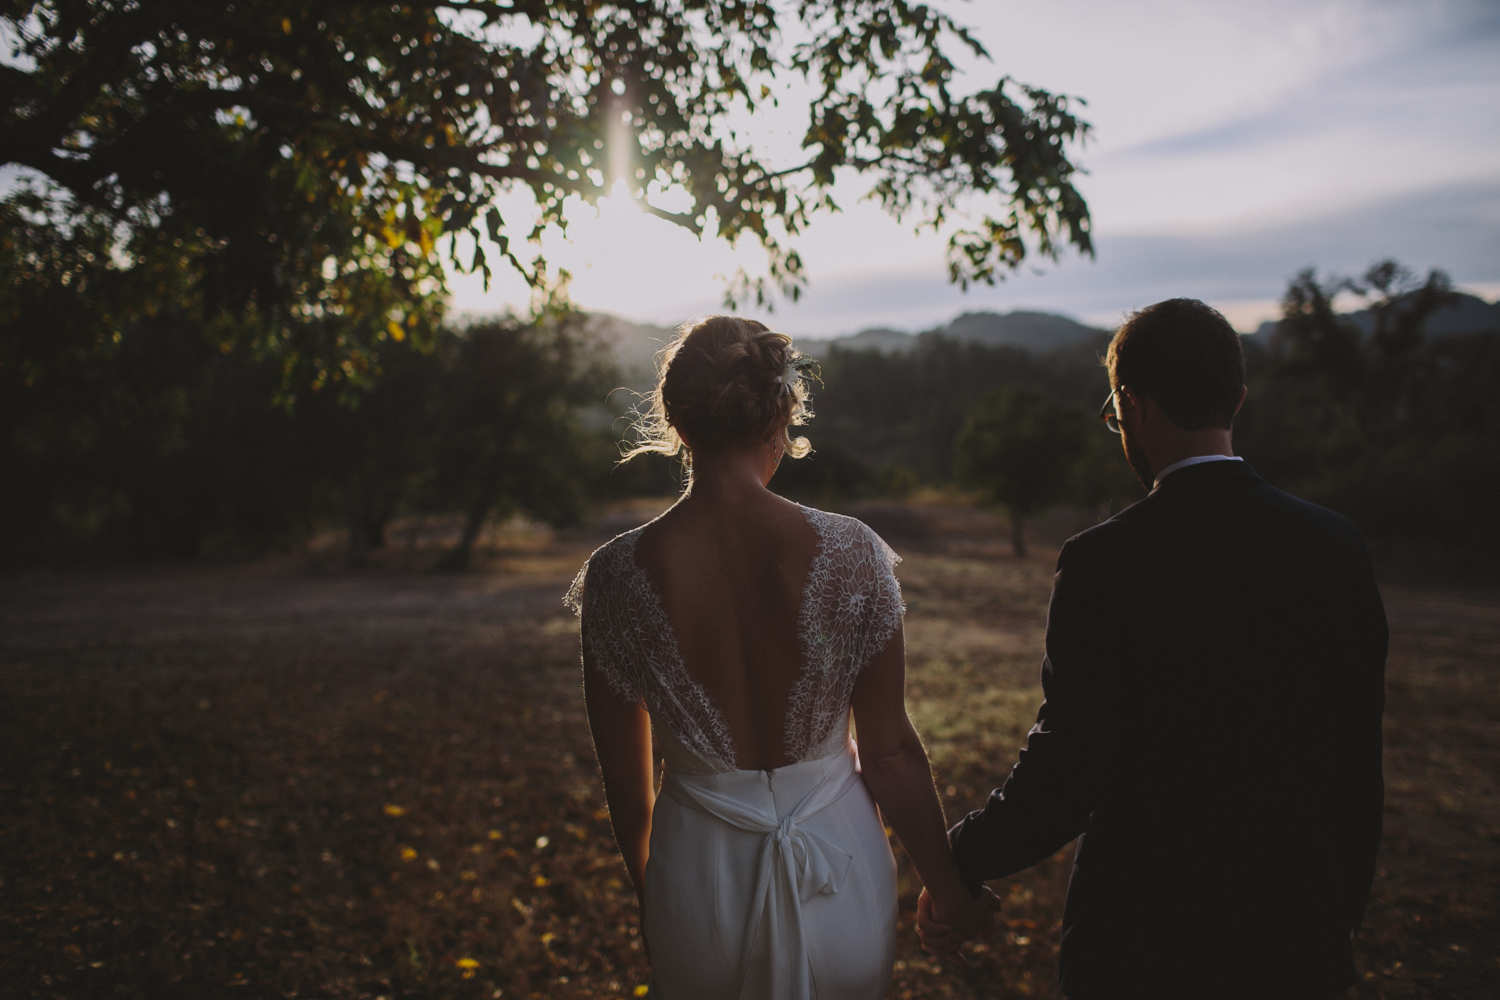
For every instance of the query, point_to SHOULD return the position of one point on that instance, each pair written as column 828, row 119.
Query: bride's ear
column 686, row 441
column 777, row 439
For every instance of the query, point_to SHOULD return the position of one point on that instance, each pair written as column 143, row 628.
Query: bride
column 738, row 630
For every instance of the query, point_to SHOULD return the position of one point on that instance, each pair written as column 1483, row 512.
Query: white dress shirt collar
column 1195, row 460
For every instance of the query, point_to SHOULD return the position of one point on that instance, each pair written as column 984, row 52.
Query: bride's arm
column 898, row 775
column 622, row 741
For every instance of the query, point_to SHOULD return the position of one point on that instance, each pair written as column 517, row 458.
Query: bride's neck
column 729, row 476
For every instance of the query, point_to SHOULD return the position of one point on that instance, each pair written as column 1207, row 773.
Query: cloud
column 1432, row 81
column 1455, row 227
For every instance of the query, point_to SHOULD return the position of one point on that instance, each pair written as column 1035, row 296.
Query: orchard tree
column 1358, row 374
column 1020, row 449
column 300, row 169
column 510, row 438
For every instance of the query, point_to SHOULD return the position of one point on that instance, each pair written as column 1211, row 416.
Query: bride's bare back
column 731, row 577
column 742, row 623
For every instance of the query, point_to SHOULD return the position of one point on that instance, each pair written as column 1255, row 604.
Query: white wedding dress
column 760, row 884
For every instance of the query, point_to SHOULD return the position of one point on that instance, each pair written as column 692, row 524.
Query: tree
column 150, row 437
column 1349, row 378
column 301, row 164
column 486, row 422
column 1020, row 449
column 1364, row 413
column 379, row 454
column 509, row 435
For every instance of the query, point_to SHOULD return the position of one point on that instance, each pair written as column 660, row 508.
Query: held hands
column 944, row 927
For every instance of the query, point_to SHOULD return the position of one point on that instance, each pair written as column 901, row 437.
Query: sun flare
column 619, row 256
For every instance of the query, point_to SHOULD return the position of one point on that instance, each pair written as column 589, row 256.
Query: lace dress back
column 850, row 607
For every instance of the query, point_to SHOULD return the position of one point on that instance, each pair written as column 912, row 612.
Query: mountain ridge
column 636, row 345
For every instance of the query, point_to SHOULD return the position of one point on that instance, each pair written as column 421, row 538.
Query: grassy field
column 276, row 780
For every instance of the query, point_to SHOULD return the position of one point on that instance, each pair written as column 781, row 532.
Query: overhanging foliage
column 308, row 162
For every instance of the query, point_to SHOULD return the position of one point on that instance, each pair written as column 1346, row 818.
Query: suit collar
column 1203, row 473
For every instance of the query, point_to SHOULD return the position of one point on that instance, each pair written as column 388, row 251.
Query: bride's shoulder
column 616, row 555
column 613, row 560
column 842, row 533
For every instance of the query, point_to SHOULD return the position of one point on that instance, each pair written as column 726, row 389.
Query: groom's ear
column 1244, row 391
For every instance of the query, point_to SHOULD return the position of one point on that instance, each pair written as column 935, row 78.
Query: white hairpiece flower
column 788, row 377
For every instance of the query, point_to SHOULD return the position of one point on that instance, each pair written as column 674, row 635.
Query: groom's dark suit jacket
column 1213, row 684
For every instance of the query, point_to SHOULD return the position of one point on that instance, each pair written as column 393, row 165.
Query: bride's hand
column 944, row 927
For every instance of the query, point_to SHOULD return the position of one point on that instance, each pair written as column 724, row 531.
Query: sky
column 1234, row 144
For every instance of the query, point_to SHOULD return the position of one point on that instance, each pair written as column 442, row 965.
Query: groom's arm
column 1046, row 800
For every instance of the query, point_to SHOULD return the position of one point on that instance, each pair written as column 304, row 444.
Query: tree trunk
column 375, row 531
column 366, row 521
column 479, row 511
column 359, row 535
column 1017, row 535
column 463, row 553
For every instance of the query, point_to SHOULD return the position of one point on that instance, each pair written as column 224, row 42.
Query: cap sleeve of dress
column 596, row 599
column 884, row 607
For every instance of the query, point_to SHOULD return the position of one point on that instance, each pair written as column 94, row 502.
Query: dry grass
column 273, row 781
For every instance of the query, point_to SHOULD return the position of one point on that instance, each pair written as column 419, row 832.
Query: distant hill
column 1034, row 331
column 1468, row 314
column 635, row 346
column 880, row 338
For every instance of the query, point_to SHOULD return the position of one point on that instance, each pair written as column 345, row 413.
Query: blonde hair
column 723, row 378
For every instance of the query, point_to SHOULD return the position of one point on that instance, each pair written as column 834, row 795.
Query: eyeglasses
column 1110, row 418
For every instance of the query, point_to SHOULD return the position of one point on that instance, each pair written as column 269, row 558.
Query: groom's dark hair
column 1185, row 355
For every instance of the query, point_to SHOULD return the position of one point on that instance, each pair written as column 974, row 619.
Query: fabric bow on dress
column 795, row 865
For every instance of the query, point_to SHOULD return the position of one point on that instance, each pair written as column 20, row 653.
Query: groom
column 1210, row 729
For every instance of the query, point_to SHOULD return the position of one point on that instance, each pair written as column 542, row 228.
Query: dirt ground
column 281, row 780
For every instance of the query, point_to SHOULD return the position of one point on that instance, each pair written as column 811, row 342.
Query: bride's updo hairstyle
column 724, row 379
